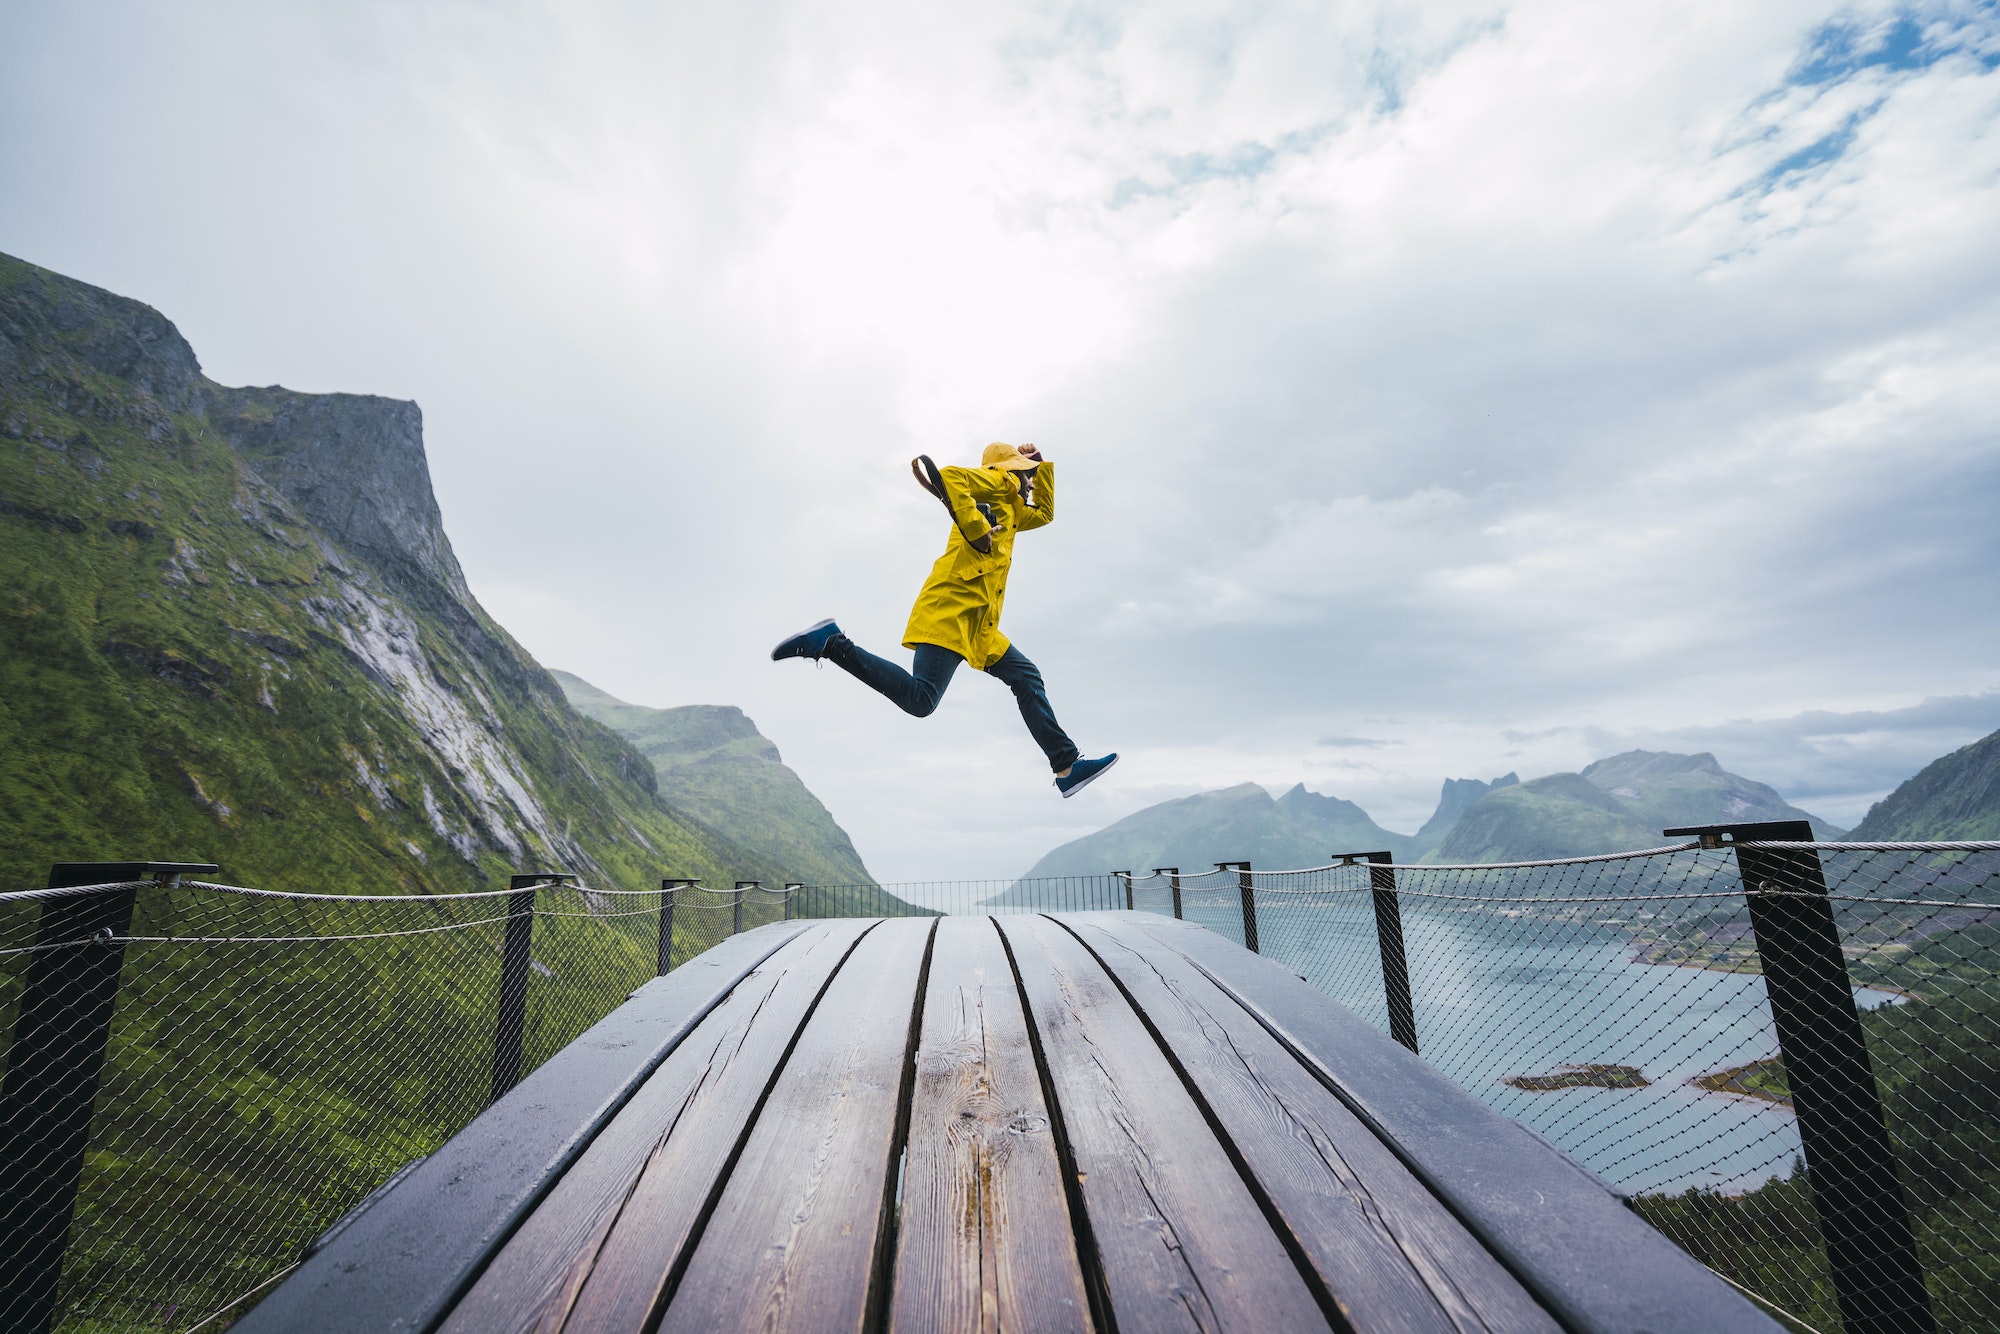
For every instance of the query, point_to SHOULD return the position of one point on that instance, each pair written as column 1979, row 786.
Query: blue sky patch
column 1844, row 46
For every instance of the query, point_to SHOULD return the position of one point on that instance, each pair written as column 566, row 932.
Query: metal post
column 511, row 1019
column 736, row 908
column 1126, row 876
column 1389, row 939
column 1248, row 890
column 1175, row 872
column 669, row 893
column 1864, row 1216
column 53, row 1067
column 791, row 890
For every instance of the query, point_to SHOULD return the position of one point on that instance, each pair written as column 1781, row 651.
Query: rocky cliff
column 232, row 629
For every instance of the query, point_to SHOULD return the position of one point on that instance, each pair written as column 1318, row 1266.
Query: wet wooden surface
column 983, row 1125
column 984, row 1239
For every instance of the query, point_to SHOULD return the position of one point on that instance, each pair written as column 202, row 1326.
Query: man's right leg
column 915, row 693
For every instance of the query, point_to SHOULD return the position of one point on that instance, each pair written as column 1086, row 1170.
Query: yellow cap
column 1007, row 457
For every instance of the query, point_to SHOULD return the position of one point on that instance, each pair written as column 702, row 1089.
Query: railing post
column 1175, row 873
column 53, row 1066
column 1126, row 876
column 736, row 909
column 1864, row 1216
column 669, row 894
column 1389, row 939
column 791, row 889
column 511, row 1019
column 1247, row 888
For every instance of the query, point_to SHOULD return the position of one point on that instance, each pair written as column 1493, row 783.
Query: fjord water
column 1497, row 996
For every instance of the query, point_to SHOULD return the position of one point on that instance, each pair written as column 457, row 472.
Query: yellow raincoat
column 959, row 607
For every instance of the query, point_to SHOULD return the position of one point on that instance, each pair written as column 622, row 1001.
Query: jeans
column 919, row 691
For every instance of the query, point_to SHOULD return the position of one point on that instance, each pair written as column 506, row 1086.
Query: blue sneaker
column 1082, row 772
column 810, row 642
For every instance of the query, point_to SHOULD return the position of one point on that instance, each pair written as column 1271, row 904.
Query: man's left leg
column 1025, row 680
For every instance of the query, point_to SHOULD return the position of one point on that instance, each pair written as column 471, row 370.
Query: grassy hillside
column 1956, row 797
column 714, row 766
column 191, row 667
column 232, row 630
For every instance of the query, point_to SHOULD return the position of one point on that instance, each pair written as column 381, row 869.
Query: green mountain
column 1241, row 823
column 1457, row 797
column 1618, row 804
column 716, row 767
column 1956, row 797
column 232, row 629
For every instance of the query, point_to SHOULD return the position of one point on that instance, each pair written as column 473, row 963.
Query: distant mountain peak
column 715, row 766
column 1454, row 800
column 1617, row 804
column 1634, row 765
column 1240, row 823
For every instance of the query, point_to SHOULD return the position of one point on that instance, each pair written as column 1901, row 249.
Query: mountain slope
column 716, row 767
column 1955, row 797
column 1562, row 815
column 1240, row 823
column 1457, row 797
column 1617, row 804
column 232, row 629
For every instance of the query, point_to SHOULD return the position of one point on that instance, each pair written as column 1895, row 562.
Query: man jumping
column 957, row 616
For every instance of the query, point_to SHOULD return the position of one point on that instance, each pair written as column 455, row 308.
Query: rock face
column 1619, row 804
column 1456, row 799
column 353, row 465
column 232, row 629
column 1956, row 797
column 716, row 767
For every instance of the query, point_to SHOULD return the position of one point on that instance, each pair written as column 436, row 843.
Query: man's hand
column 983, row 544
column 1030, row 452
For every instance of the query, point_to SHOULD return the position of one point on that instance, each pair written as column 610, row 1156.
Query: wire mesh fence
column 271, row 1058
column 1075, row 893
column 267, row 1060
column 1619, row 1007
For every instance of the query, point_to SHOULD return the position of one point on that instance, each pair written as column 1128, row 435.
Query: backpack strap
column 927, row 477
column 926, row 473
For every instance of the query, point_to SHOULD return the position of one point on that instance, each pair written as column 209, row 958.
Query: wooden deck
column 1108, row 1121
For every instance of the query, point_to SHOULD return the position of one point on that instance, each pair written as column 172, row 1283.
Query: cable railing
column 1785, row 1054
column 201, row 1077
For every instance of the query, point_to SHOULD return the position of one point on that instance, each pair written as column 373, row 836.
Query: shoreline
column 1736, row 1080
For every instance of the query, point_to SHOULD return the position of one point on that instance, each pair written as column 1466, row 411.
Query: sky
column 1435, row 389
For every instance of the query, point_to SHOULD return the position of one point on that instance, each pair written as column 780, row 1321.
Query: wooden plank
column 1593, row 1262
column 658, row 1160
column 795, row 1240
column 1181, row 1242
column 400, row 1260
column 983, row 1241
column 1392, row 1256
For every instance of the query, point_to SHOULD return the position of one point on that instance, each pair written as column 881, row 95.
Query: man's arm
column 963, row 488
column 1043, row 511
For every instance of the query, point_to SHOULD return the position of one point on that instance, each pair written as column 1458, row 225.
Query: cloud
column 1500, row 382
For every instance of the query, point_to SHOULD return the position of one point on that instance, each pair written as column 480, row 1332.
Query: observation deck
column 1103, row 1120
